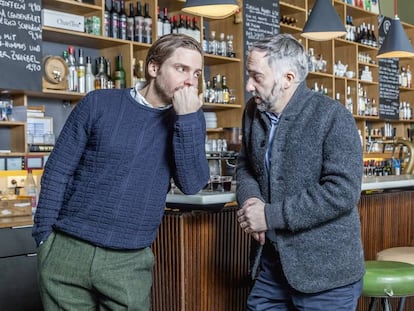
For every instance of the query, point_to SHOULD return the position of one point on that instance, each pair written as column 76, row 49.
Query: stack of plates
column 211, row 119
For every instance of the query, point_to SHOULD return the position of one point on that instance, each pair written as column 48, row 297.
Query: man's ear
column 289, row 79
column 153, row 69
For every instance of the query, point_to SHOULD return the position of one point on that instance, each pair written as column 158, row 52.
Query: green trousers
column 75, row 275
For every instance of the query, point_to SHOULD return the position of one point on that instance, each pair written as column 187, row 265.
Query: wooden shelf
column 220, row 106
column 72, row 7
column 210, row 59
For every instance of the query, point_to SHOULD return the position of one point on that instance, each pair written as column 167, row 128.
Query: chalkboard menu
column 260, row 19
column 21, row 45
column 389, row 88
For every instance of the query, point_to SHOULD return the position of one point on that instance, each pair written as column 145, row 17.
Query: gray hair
column 283, row 50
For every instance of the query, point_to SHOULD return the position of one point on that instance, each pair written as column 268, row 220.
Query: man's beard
column 266, row 104
column 162, row 93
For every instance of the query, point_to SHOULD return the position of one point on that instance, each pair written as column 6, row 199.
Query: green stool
column 387, row 279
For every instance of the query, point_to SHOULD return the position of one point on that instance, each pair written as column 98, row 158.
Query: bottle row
column 364, row 33
column 136, row 26
column 81, row 77
column 217, row 91
column 388, row 167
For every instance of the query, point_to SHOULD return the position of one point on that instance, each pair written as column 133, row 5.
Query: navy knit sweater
column 107, row 178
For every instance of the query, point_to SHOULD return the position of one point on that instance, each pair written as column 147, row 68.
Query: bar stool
column 401, row 254
column 388, row 279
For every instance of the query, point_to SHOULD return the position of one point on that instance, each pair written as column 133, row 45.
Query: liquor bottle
column 349, row 102
column 130, row 23
column 196, row 30
column 409, row 77
column 81, row 72
column 230, row 47
column 225, row 91
column 100, row 78
column 147, row 25
column 218, row 91
column 73, row 74
column 166, row 25
column 89, row 77
column 31, row 189
column 222, row 46
column 141, row 74
column 212, row 43
column 213, row 96
column 114, row 20
column 207, row 92
column 109, row 82
column 205, row 41
column 139, row 24
column 404, row 79
column 160, row 23
column 119, row 75
column 122, row 21
column 107, row 21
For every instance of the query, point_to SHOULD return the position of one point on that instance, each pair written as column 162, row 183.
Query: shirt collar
column 141, row 99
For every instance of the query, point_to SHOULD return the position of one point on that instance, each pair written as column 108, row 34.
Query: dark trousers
column 271, row 291
column 75, row 275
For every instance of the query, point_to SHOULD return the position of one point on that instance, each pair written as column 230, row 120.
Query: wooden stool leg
column 373, row 304
column 401, row 304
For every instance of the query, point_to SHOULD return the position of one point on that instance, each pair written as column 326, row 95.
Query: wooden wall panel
column 387, row 220
column 201, row 263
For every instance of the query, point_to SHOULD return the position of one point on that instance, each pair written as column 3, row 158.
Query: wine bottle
column 130, row 23
column 196, row 30
column 166, row 25
column 160, row 24
column 107, row 21
column 139, row 24
column 114, row 20
column 119, row 75
column 122, row 21
column 147, row 25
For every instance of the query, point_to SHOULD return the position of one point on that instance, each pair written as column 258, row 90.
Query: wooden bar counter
column 202, row 257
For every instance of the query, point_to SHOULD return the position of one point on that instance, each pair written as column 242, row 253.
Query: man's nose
column 249, row 85
column 191, row 80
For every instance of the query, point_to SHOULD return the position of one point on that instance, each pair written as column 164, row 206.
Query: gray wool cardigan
column 312, row 195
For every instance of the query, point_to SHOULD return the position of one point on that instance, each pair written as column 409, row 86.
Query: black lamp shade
column 211, row 8
column 323, row 23
column 396, row 43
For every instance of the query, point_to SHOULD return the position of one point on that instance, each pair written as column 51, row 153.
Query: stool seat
column 388, row 279
column 402, row 254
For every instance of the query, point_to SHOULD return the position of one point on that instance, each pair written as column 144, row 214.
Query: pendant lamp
column 214, row 9
column 396, row 43
column 323, row 23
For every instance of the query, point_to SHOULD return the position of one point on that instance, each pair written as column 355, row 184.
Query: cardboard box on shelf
column 63, row 20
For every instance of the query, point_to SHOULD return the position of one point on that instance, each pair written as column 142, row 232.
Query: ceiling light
column 396, row 43
column 214, row 9
column 323, row 23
